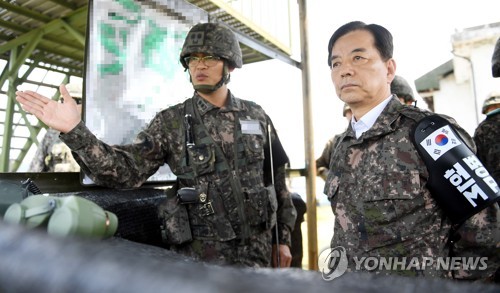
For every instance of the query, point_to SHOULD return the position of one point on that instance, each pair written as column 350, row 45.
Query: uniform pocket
column 256, row 205
column 332, row 185
column 254, row 147
column 174, row 220
column 389, row 208
column 208, row 217
column 202, row 158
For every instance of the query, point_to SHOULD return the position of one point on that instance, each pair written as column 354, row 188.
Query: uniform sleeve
column 478, row 239
column 125, row 166
column 286, row 214
column 478, row 140
column 279, row 157
column 324, row 159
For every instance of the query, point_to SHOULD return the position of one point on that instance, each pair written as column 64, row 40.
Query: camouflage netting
column 136, row 211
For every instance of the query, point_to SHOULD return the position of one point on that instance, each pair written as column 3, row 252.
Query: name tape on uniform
column 250, row 127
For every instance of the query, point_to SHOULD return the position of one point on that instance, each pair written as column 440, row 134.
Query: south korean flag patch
column 440, row 141
column 457, row 179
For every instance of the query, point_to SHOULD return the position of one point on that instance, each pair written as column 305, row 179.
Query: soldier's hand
column 285, row 256
column 60, row 116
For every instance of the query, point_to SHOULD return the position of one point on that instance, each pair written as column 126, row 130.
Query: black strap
column 234, row 178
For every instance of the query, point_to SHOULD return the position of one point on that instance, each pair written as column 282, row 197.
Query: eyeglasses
column 209, row 61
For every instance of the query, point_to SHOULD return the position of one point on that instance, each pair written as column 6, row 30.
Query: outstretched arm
column 60, row 116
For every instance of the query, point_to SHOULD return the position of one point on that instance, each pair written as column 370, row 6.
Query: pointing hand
column 60, row 116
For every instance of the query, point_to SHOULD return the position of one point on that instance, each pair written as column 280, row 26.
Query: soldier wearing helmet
column 487, row 135
column 401, row 88
column 52, row 154
column 214, row 42
column 491, row 103
column 224, row 204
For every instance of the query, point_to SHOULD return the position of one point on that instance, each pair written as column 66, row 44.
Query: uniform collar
column 204, row 106
column 383, row 123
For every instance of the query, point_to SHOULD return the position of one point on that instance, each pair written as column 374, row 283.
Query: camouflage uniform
column 487, row 139
column 324, row 159
column 229, row 165
column 377, row 187
column 323, row 162
column 401, row 88
column 53, row 155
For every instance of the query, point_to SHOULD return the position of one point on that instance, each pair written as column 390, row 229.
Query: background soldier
column 487, row 136
column 217, row 145
column 52, row 154
column 323, row 162
column 401, row 88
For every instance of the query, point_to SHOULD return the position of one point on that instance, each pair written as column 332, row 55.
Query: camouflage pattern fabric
column 377, row 187
column 212, row 39
column 323, row 162
column 53, row 155
column 237, row 197
column 487, row 139
column 401, row 88
column 252, row 252
column 324, row 159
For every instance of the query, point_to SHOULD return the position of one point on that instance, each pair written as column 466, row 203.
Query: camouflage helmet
column 495, row 60
column 401, row 88
column 493, row 98
column 213, row 39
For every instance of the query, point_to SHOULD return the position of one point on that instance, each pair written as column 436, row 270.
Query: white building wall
column 485, row 83
column 455, row 100
column 462, row 93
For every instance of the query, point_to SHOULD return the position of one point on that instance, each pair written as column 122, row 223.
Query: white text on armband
column 465, row 184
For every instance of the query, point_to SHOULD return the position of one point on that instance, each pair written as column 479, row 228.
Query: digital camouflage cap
column 401, row 88
column 212, row 39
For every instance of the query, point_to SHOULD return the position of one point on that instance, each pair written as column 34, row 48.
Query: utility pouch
column 188, row 195
column 174, row 219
